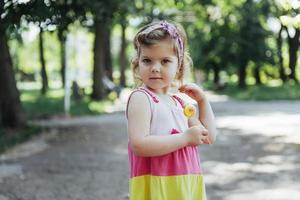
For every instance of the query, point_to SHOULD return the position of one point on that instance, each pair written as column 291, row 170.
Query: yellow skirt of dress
column 183, row 187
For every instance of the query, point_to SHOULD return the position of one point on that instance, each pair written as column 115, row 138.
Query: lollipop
column 189, row 110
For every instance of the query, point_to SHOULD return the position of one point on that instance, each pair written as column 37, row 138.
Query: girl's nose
column 155, row 68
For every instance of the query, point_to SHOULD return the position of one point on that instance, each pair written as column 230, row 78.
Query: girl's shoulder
column 139, row 100
column 142, row 91
column 137, row 95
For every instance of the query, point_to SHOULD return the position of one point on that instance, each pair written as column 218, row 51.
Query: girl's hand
column 196, row 135
column 195, row 122
column 193, row 91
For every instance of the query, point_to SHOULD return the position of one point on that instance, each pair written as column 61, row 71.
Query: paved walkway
column 255, row 157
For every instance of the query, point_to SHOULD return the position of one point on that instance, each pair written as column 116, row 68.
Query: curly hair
column 154, row 36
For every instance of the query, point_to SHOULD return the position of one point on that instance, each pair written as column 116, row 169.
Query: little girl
column 162, row 148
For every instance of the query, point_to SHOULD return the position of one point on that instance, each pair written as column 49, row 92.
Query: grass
column 38, row 106
column 260, row 93
column 10, row 138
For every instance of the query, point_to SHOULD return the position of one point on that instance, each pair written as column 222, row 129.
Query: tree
column 127, row 8
column 65, row 12
column 279, row 54
column 43, row 62
column 293, row 32
column 102, row 14
column 212, row 34
column 11, row 112
column 123, row 61
column 42, row 14
column 251, row 40
column 285, row 12
column 276, row 13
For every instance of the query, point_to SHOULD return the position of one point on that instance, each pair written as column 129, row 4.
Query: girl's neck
column 161, row 92
column 163, row 96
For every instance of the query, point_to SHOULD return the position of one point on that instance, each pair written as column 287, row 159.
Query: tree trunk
column 257, row 75
column 206, row 74
column 216, row 74
column 242, row 74
column 98, row 88
column 123, row 61
column 293, row 48
column 107, row 54
column 62, row 40
column 279, row 54
column 11, row 113
column 43, row 63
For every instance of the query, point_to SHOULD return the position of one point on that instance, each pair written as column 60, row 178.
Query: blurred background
column 70, row 58
column 247, row 49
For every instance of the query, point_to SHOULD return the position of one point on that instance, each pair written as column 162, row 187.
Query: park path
column 256, row 156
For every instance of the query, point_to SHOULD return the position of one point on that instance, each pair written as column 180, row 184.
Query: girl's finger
column 182, row 87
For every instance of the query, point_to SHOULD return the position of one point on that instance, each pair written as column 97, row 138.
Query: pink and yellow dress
column 174, row 176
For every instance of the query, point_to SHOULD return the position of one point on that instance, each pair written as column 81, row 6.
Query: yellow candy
column 189, row 110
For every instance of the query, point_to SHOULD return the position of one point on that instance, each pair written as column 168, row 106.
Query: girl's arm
column 144, row 144
column 206, row 115
column 207, row 118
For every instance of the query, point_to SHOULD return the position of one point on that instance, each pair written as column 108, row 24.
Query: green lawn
column 38, row 106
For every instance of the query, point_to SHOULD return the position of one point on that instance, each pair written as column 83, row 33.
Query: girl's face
column 158, row 65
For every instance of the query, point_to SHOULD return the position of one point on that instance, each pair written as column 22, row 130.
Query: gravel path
column 255, row 156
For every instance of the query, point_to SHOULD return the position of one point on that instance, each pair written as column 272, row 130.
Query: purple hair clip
column 172, row 31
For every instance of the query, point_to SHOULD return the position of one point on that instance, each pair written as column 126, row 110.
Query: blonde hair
column 151, row 37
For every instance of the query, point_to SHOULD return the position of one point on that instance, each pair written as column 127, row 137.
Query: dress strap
column 179, row 100
column 154, row 98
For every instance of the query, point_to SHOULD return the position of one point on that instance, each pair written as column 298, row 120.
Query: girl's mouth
column 155, row 78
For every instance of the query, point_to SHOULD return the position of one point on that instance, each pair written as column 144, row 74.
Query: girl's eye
column 146, row 61
column 165, row 61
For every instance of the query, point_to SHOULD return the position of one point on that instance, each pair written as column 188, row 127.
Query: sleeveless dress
column 174, row 176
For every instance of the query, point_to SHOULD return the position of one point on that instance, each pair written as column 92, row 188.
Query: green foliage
column 252, row 33
column 213, row 35
column 27, row 53
column 289, row 11
column 226, row 35
column 221, row 32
